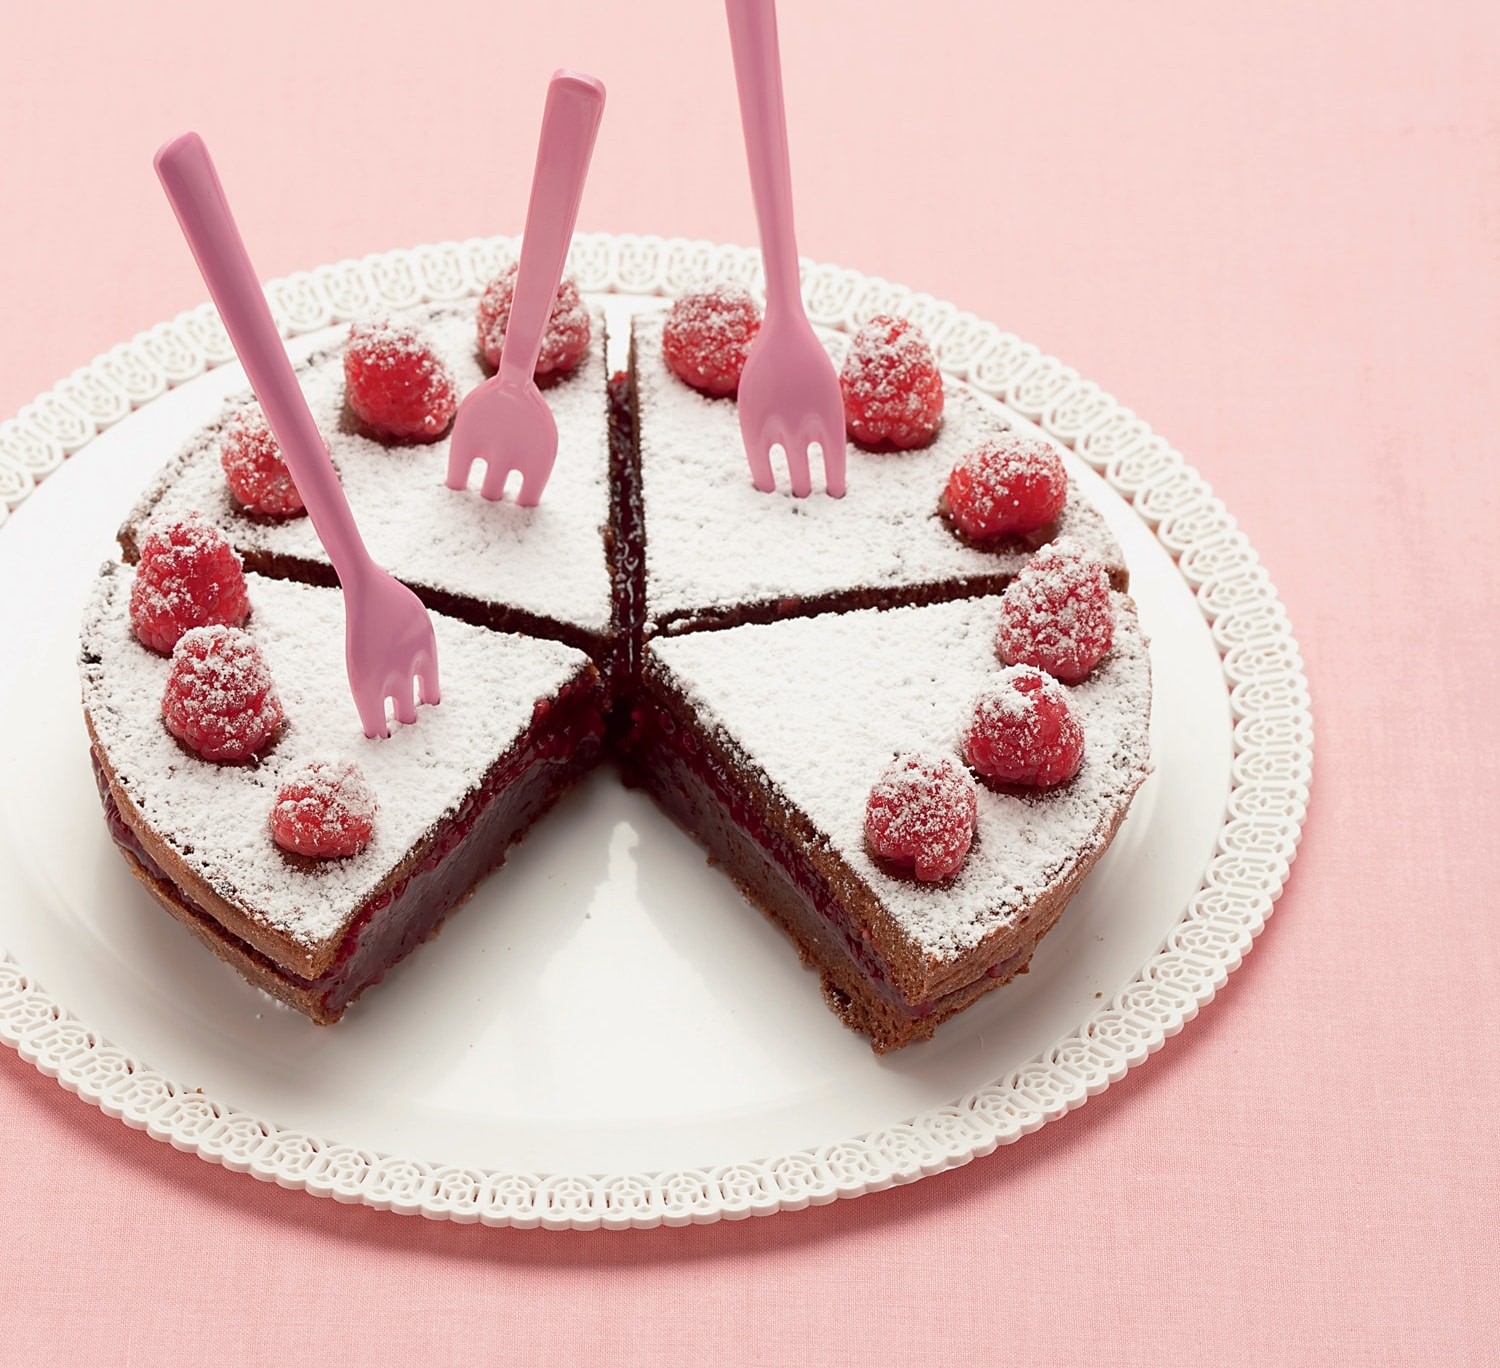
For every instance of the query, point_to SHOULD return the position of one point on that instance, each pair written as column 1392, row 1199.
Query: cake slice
column 764, row 741
column 718, row 552
column 544, row 571
column 521, row 719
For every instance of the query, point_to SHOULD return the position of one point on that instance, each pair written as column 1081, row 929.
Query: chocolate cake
column 752, row 660
column 763, row 740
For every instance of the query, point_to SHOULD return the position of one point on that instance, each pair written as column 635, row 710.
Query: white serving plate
column 607, row 1035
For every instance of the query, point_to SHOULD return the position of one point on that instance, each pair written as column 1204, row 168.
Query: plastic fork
column 504, row 420
column 388, row 639
column 789, row 392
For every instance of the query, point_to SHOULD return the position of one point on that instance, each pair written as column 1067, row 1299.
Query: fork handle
column 570, row 123
column 187, row 175
column 757, row 75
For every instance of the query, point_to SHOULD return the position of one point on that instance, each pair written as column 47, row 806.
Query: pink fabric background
column 1273, row 231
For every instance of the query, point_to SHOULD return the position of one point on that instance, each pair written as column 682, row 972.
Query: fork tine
column 495, row 475
column 400, row 691
column 426, row 672
column 775, row 435
column 759, row 453
column 460, row 462
column 797, row 467
column 834, row 462
column 533, row 481
column 371, row 713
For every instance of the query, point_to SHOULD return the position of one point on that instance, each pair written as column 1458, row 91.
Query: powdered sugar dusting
column 387, row 339
column 906, row 680
column 714, row 541
column 548, row 561
column 1000, row 699
column 217, row 817
column 715, row 307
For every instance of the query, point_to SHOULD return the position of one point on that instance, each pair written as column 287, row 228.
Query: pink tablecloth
column 1272, row 232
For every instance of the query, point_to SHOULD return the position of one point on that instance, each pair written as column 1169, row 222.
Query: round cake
column 754, row 661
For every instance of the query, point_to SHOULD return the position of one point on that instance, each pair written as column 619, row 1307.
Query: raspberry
column 707, row 336
column 1023, row 731
column 398, row 385
column 893, row 394
column 565, row 339
column 188, row 576
column 220, row 700
column 253, row 466
column 324, row 810
column 1006, row 487
column 1056, row 614
column 921, row 813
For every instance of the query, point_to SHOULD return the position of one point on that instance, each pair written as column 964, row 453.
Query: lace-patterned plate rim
column 1264, row 812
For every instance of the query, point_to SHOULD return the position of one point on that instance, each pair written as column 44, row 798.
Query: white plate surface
column 607, row 1034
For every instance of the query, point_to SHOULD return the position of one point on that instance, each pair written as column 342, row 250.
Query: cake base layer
column 564, row 743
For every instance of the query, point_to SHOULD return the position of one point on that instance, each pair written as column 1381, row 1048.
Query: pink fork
column 388, row 636
column 505, row 421
column 789, row 392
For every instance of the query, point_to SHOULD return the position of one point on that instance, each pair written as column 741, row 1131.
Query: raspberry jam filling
column 625, row 540
column 564, row 742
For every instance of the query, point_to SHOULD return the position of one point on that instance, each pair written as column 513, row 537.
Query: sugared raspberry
column 398, row 385
column 220, row 699
column 324, row 810
column 565, row 339
column 707, row 336
column 920, row 815
column 893, row 394
column 1056, row 614
column 1023, row 730
column 188, row 576
column 254, row 467
column 1006, row 487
